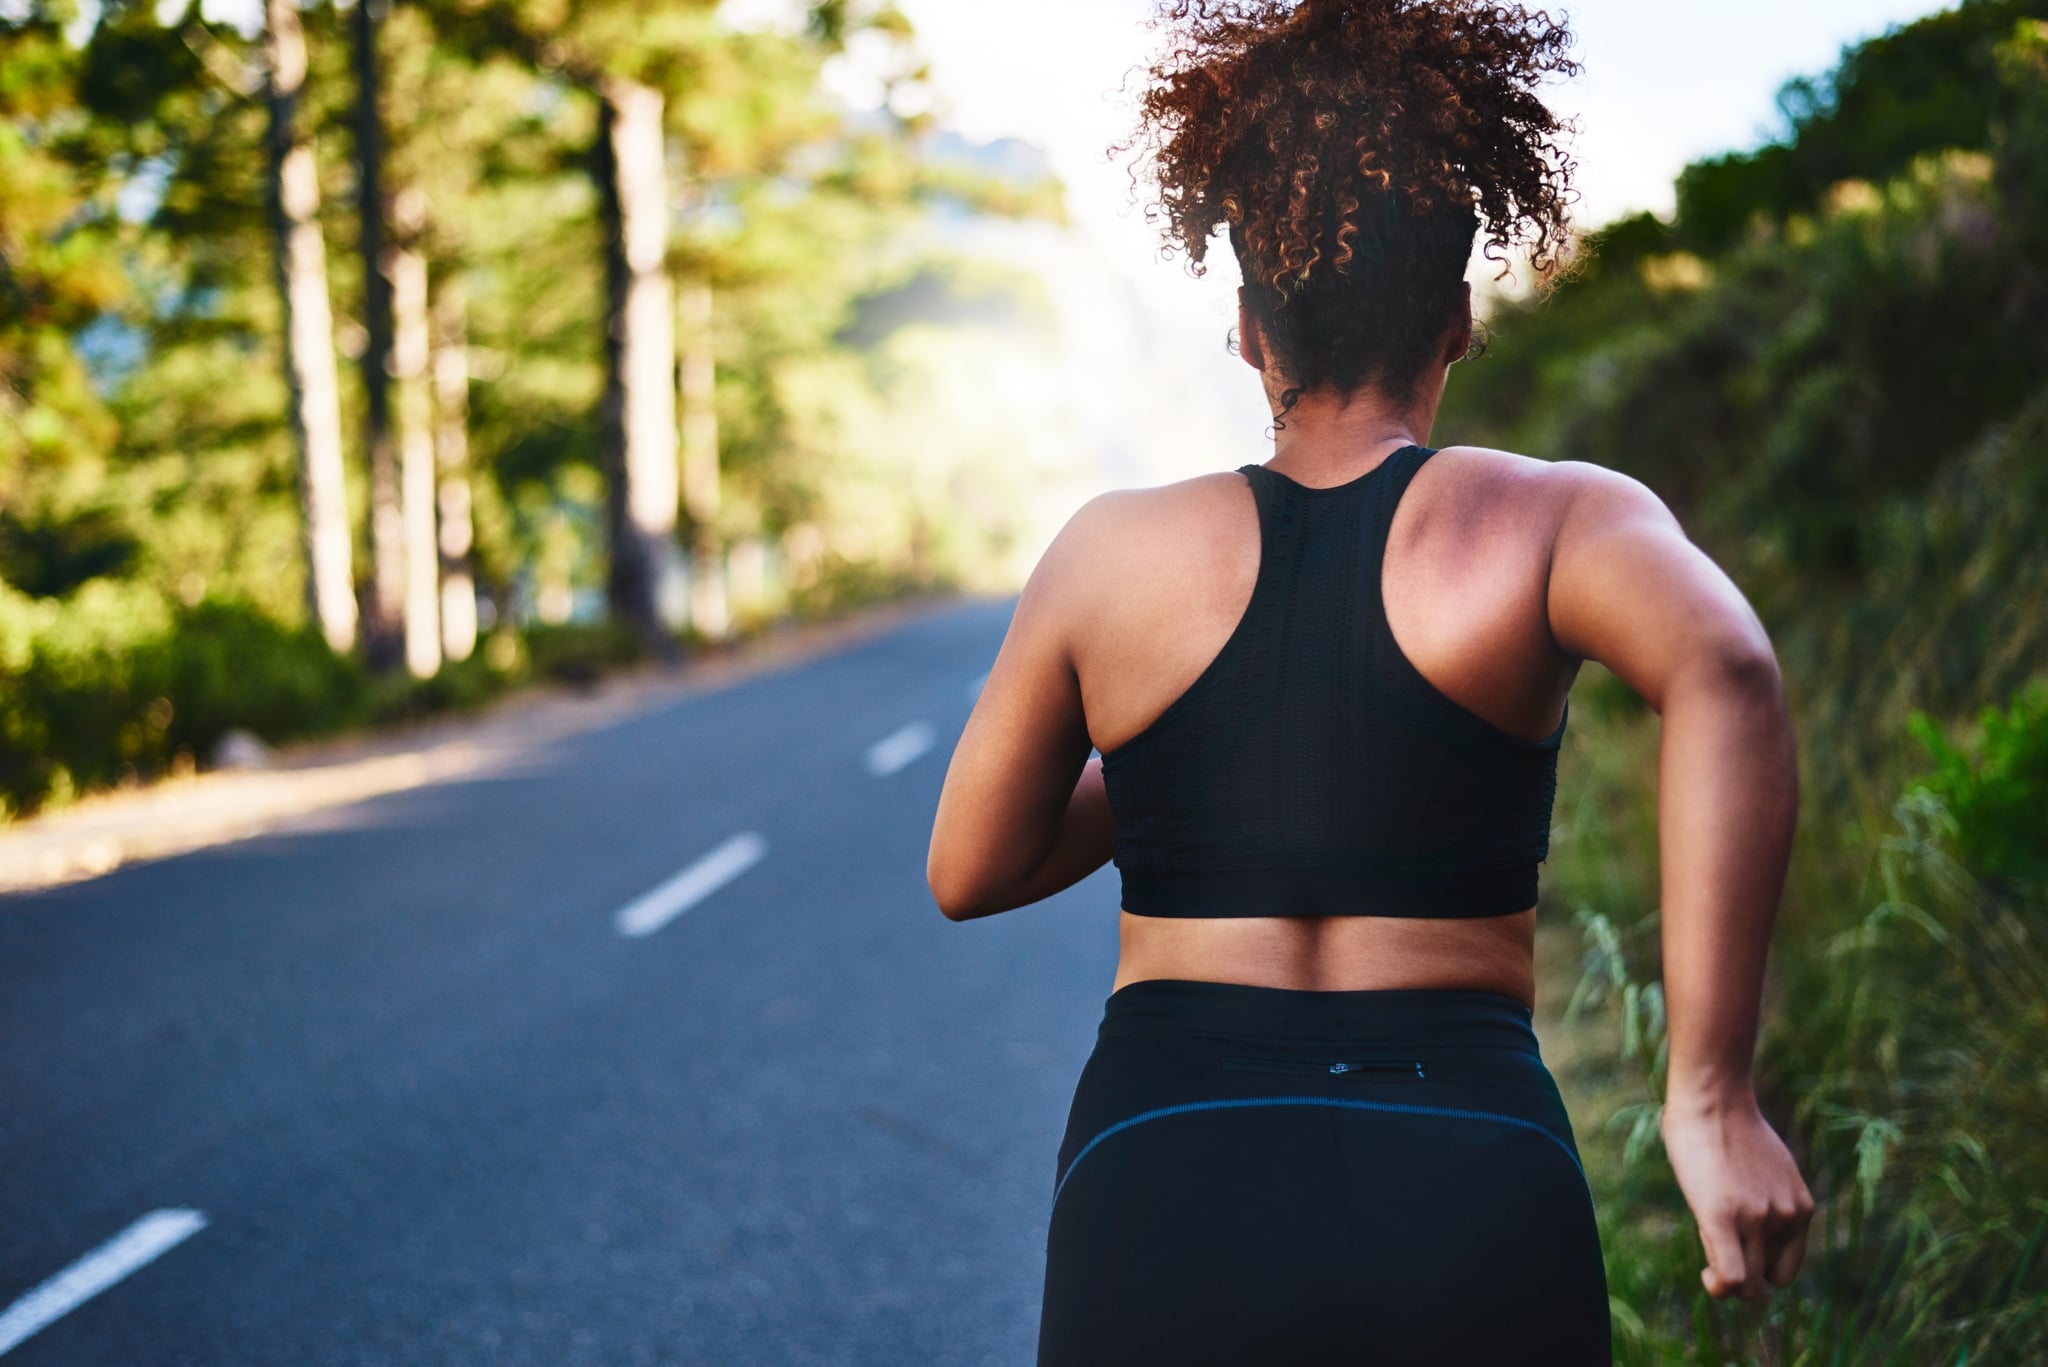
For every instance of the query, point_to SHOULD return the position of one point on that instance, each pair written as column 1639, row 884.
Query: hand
column 1744, row 1189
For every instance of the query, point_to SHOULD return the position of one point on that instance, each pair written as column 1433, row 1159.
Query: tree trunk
column 314, row 390
column 451, row 459
column 710, row 608
column 405, row 265
column 387, row 517
column 640, row 358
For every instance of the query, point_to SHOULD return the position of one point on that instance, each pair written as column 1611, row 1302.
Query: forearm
column 1083, row 843
column 1728, row 799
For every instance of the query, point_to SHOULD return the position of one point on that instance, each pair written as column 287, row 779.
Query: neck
column 1328, row 437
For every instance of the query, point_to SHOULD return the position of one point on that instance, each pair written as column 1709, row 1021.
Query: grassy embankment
column 1831, row 365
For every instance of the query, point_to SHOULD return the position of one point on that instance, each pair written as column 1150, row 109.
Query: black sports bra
column 1311, row 770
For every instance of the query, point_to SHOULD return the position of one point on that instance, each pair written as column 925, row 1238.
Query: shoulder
column 1118, row 545
column 1160, row 507
column 1569, row 495
column 1130, row 527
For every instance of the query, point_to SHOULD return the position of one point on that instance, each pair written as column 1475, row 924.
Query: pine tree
column 301, row 270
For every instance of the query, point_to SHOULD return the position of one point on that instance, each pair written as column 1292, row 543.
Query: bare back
column 1465, row 583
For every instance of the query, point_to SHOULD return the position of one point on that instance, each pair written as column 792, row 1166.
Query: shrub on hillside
column 1994, row 786
column 1902, row 1058
column 114, row 682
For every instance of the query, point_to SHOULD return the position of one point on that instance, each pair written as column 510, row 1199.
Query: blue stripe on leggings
column 1343, row 1103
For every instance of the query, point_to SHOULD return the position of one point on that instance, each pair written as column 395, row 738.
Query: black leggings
column 1253, row 1175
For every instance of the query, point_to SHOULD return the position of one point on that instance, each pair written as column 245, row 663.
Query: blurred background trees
column 596, row 265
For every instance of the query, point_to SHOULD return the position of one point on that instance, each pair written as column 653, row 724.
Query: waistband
column 1457, row 1016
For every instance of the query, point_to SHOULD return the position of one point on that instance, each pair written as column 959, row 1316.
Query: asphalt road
column 433, row 1106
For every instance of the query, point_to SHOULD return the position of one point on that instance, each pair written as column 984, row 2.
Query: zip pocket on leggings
column 1361, row 1070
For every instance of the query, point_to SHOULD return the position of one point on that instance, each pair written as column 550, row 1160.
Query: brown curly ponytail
column 1354, row 149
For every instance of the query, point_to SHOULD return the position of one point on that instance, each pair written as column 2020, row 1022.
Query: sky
column 1665, row 81
column 1148, row 389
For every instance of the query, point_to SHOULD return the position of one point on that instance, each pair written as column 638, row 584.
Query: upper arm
column 1628, row 589
column 1026, row 742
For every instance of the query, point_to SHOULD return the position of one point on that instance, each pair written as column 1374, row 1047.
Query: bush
column 226, row 667
column 846, row 585
column 1995, row 787
column 1914, row 1038
column 1902, row 1061
column 581, row 652
column 114, row 683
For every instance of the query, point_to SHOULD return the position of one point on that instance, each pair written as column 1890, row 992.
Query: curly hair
column 1354, row 149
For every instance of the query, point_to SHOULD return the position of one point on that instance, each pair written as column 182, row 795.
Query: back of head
column 1355, row 150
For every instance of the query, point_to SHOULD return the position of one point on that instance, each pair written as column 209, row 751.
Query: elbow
column 1734, row 685
column 1737, row 668
column 1748, row 670
column 956, row 873
column 957, row 897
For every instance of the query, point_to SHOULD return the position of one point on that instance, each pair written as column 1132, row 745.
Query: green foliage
column 150, row 540
column 1994, row 787
column 1903, row 1062
column 115, row 683
column 799, row 218
column 1831, row 364
column 1949, row 613
column 581, row 653
column 1917, row 1054
column 841, row 584
column 60, row 241
column 1846, row 410
column 1786, row 396
column 225, row 666
column 1925, row 89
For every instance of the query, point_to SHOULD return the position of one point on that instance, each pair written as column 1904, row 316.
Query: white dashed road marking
column 656, row 908
column 901, row 749
column 137, row 1246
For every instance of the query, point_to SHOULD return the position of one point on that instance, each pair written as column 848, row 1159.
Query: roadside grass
column 1904, row 1056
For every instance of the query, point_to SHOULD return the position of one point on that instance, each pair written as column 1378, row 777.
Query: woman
column 1328, row 692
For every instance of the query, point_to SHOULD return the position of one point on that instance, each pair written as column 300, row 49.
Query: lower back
column 1336, row 953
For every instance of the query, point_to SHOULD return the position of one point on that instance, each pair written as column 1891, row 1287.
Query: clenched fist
column 1744, row 1189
